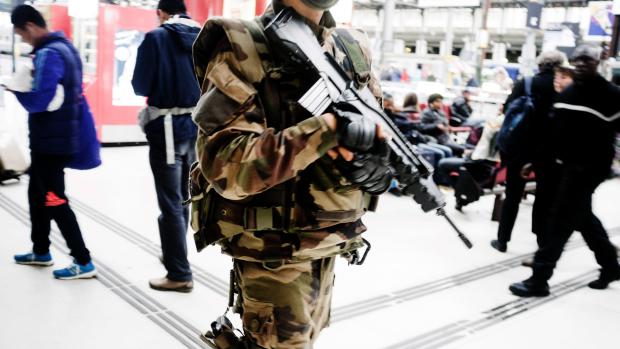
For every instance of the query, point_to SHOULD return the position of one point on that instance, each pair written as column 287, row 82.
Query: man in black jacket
column 581, row 148
column 164, row 73
column 461, row 110
column 544, row 95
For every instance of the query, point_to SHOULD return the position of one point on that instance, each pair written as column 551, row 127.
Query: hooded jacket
column 54, row 125
column 164, row 74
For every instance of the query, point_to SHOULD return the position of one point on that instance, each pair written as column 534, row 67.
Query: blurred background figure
column 165, row 74
column 435, row 124
column 585, row 111
column 543, row 94
column 461, row 109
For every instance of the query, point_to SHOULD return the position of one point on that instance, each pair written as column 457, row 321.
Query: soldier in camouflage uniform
column 266, row 188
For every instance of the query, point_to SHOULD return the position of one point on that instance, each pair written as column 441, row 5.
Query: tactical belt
column 250, row 218
column 270, row 218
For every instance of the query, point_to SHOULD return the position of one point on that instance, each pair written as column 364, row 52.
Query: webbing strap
column 353, row 50
column 260, row 42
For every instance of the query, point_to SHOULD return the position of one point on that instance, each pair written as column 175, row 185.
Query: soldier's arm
column 239, row 155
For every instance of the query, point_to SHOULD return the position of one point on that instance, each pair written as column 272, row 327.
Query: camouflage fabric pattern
column 243, row 155
column 286, row 307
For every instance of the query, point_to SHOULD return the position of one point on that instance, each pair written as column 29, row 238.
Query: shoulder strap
column 353, row 50
column 243, row 46
column 528, row 86
column 261, row 44
column 269, row 95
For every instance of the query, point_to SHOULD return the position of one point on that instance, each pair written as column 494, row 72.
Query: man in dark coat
column 461, row 110
column 544, row 95
column 164, row 73
column 581, row 148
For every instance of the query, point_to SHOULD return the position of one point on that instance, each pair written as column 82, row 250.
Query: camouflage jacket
column 247, row 153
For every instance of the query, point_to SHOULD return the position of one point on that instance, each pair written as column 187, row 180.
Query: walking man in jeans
column 54, row 107
column 164, row 73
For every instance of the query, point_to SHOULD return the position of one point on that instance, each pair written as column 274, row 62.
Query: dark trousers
column 571, row 209
column 515, row 185
column 542, row 201
column 171, row 185
column 47, row 199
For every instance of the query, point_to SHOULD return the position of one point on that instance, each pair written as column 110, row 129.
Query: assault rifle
column 299, row 45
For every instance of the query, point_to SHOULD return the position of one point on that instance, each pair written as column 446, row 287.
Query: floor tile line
column 211, row 281
column 140, row 301
column 362, row 307
column 459, row 330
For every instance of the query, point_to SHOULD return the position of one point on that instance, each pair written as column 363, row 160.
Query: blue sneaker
column 34, row 259
column 76, row 271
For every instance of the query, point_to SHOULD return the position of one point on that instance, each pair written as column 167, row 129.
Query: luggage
column 473, row 178
column 13, row 162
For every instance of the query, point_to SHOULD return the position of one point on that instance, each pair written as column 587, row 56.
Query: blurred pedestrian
column 54, row 104
column 581, row 150
column 164, row 73
column 543, row 94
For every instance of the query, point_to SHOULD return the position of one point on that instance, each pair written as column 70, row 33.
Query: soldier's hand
column 347, row 154
column 370, row 170
column 332, row 123
column 355, row 132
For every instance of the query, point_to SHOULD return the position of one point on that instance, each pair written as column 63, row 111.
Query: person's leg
column 433, row 153
column 541, row 203
column 287, row 306
column 568, row 203
column 39, row 218
column 172, row 224
column 570, row 207
column 57, row 207
column 514, row 192
column 597, row 239
column 447, row 152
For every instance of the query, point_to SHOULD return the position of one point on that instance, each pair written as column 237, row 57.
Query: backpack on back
column 513, row 133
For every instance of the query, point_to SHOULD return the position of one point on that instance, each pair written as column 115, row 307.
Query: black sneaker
column 529, row 288
column 604, row 279
column 498, row 245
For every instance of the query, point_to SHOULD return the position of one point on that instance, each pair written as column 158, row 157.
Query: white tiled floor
column 420, row 288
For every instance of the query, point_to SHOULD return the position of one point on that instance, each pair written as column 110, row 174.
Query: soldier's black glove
column 369, row 170
column 426, row 193
column 355, row 132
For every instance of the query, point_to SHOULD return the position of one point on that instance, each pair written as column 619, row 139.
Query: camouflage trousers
column 285, row 307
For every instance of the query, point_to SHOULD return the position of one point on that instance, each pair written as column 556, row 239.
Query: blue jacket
column 165, row 74
column 56, row 61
